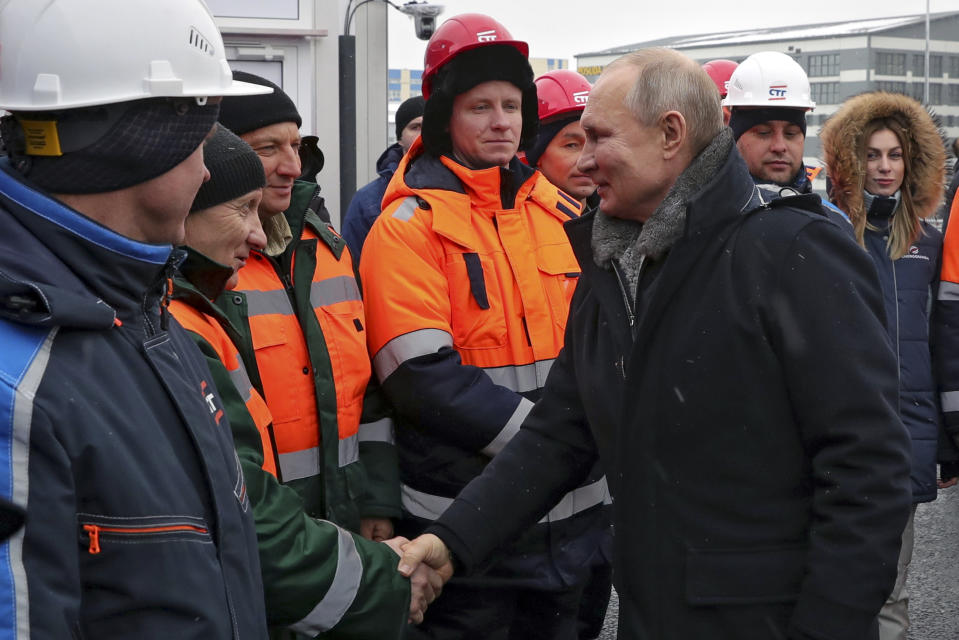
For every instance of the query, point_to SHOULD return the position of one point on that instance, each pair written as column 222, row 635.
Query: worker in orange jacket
column 468, row 277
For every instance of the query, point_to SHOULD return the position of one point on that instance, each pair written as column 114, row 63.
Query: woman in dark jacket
column 886, row 163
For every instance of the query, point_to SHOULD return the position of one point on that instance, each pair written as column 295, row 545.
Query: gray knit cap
column 234, row 167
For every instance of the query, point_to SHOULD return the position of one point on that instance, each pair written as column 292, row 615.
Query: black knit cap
column 411, row 109
column 234, row 167
column 467, row 70
column 130, row 143
column 744, row 119
column 242, row 114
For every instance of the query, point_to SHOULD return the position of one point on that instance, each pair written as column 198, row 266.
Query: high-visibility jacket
column 316, row 575
column 946, row 333
column 302, row 337
column 468, row 277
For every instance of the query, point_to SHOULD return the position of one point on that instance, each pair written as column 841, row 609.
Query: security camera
column 424, row 17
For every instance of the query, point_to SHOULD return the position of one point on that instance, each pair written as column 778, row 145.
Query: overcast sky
column 564, row 28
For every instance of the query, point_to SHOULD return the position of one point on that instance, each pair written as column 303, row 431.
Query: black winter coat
column 758, row 467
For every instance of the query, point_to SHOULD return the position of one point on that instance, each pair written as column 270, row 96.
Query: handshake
column 426, row 561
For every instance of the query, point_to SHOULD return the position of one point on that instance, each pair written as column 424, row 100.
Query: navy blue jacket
column 365, row 206
column 114, row 439
column 908, row 293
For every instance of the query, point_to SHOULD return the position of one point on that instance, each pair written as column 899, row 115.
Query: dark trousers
column 468, row 612
column 595, row 602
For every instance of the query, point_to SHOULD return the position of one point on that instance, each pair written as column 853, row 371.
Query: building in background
column 842, row 59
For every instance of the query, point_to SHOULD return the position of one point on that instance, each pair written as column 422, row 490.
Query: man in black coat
column 730, row 361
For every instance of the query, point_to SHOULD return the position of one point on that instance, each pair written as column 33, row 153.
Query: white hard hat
column 769, row 79
column 65, row 54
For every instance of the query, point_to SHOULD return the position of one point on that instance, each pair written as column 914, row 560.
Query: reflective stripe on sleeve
column 349, row 450
column 241, row 380
column 342, row 592
column 512, row 426
column 333, row 290
column 521, row 378
column 297, row 465
column 379, row 431
column 264, row 303
column 406, row 209
column 950, row 400
column 430, row 507
column 407, row 346
column 948, row 290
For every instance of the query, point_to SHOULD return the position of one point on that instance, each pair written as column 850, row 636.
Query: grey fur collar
column 629, row 241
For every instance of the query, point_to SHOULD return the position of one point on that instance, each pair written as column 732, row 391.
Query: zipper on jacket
column 630, row 313
column 94, row 531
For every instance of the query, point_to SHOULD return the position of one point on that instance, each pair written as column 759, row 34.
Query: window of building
column 892, row 87
column 916, row 90
column 954, row 67
column 395, row 95
column 394, row 74
column 935, row 93
column 826, row 64
column 417, row 74
column 825, row 92
column 935, row 66
column 918, row 64
column 891, row 64
column 954, row 94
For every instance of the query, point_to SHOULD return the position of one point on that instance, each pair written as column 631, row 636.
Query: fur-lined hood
column 842, row 143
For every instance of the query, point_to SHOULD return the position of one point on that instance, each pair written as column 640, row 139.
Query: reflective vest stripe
column 511, row 428
column 948, row 290
column 241, row 380
column 950, row 400
column 333, row 290
column 407, row 346
column 265, row 303
column 406, row 210
column 430, row 507
column 521, row 378
column 349, row 450
column 379, row 431
column 26, row 354
column 297, row 465
column 307, row 463
column 342, row 592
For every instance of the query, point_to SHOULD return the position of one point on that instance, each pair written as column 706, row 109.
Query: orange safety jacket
column 468, row 277
column 302, row 319
column 194, row 321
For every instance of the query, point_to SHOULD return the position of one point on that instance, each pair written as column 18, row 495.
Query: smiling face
column 773, row 151
column 885, row 167
column 486, row 124
column 278, row 146
column 623, row 157
column 558, row 162
column 228, row 232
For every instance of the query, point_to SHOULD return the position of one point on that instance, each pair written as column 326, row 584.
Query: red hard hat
column 560, row 92
column 720, row 71
column 462, row 33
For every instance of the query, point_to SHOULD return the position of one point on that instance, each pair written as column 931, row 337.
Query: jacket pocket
column 559, row 272
column 98, row 533
column 736, row 576
column 476, row 303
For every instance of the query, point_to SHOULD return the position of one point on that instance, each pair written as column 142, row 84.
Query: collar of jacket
column 457, row 190
column 626, row 241
column 208, row 277
column 879, row 209
column 308, row 209
column 90, row 274
column 388, row 161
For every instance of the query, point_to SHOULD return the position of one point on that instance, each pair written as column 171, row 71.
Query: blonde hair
column 905, row 225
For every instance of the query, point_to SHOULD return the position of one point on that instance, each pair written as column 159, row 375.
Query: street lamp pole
column 926, row 89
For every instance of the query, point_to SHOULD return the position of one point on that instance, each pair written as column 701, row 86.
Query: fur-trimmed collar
column 629, row 241
column 841, row 138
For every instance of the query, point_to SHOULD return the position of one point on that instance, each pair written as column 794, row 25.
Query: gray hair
column 670, row 81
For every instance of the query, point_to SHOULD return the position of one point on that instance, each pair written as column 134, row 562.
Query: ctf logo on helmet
column 778, row 91
column 580, row 97
column 486, row 36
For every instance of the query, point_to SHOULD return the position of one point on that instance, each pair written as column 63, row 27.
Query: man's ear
column 674, row 131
